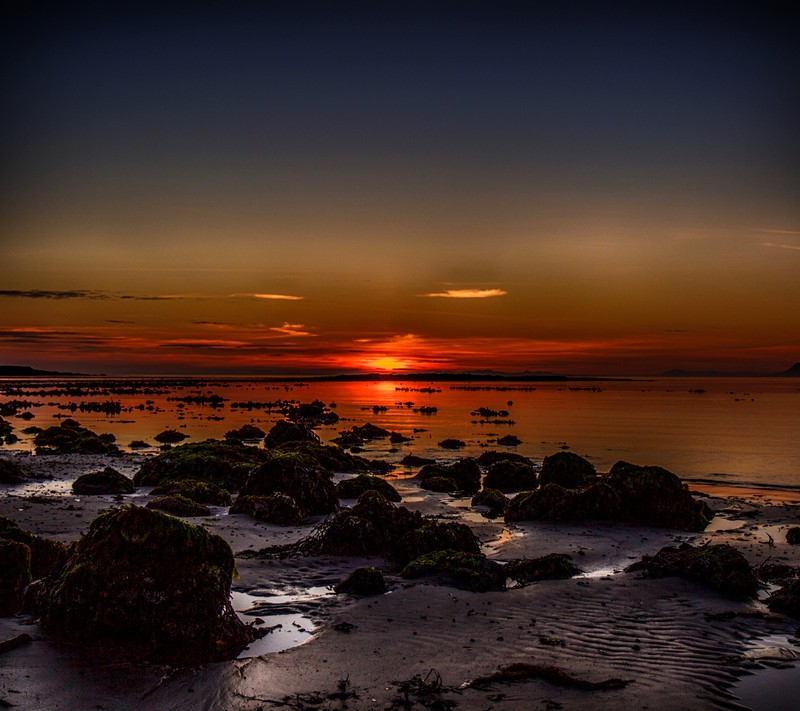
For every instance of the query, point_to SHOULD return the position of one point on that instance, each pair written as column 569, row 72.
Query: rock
column 353, row 488
column 486, row 459
column 332, row 459
column 397, row 438
column 555, row 566
column 201, row 492
column 170, row 437
column 786, row 599
column 566, row 469
column 441, row 484
column 465, row 473
column 153, row 585
column 284, row 431
column 363, row 581
column 508, row 476
column 451, row 443
column 140, row 444
column 411, row 460
column 70, row 438
column 469, row 571
column 246, row 432
column 434, row 536
column 290, row 473
column 793, row 535
column 11, row 472
column 311, row 414
column 226, row 464
column 32, row 430
column 280, row 509
column 5, row 427
column 46, row 556
column 719, row 567
column 493, row 500
column 15, row 575
column 178, row 505
column 106, row 481
column 509, row 441
column 359, row 434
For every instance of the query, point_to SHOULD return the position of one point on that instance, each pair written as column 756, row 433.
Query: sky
column 305, row 188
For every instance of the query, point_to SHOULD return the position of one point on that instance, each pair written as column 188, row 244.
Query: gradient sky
column 335, row 187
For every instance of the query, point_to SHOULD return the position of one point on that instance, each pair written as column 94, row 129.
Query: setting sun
column 388, row 363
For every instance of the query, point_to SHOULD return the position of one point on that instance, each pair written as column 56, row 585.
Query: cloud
column 43, row 294
column 466, row 293
column 793, row 247
column 273, row 297
column 291, row 329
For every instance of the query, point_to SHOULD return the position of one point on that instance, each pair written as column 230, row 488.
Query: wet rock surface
column 556, row 566
column 11, row 472
column 495, row 501
column 470, row 571
column 353, row 488
column 105, row 481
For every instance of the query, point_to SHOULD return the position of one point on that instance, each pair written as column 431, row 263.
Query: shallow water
column 729, row 431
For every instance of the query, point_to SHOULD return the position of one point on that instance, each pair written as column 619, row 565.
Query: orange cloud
column 291, row 329
column 466, row 293
column 272, row 297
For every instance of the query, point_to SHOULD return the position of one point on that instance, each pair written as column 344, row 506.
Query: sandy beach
column 672, row 644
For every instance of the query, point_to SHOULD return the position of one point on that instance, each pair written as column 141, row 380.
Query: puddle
column 603, row 572
column 724, row 524
column 773, row 687
column 286, row 614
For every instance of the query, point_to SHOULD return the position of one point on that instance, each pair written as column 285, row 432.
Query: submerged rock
column 470, row 571
column 452, row 443
column 178, row 505
column 11, row 472
column 786, row 599
column 15, row 575
column 170, row 436
column 465, row 473
column 280, row 509
column 719, row 567
column 353, row 488
column 568, row 470
column 106, row 481
column 152, row 584
column 46, row 556
column 246, row 432
column 201, row 492
column 70, row 438
column 284, row 431
column 556, row 566
column 508, row 476
column 226, row 464
column 363, row 581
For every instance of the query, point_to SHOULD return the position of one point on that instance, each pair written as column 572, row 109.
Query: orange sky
column 299, row 194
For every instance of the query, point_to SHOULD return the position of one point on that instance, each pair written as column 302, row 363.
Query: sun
column 388, row 363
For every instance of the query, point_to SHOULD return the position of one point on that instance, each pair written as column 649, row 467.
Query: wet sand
column 423, row 642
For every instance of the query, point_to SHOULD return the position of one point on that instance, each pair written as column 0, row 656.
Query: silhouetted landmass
column 793, row 372
column 22, row 371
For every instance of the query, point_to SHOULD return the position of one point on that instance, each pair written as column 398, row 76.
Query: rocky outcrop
column 170, row 437
column 46, row 556
column 201, row 492
column 353, row 488
column 507, row 476
column 105, row 481
column 11, row 472
column 178, row 505
column 465, row 474
column 469, row 571
column 70, row 438
column 250, row 432
column 284, row 431
column 280, row 509
column 566, row 469
column 364, row 582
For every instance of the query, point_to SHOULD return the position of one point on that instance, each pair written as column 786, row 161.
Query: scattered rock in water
column 284, row 431
column 397, row 438
column 556, row 566
column 46, row 556
column 11, row 472
column 70, row 438
column 5, row 427
column 411, row 460
column 140, row 444
column 201, row 492
column 353, row 488
column 787, row 599
column 32, row 430
column 469, row 571
column 153, row 585
column 106, row 481
column 224, row 463
column 568, row 470
column 333, row 459
column 465, row 474
column 793, row 536
column 358, row 435
column 280, row 509
column 507, row 476
column 486, row 459
column 495, row 501
column 363, row 581
column 246, row 432
column 434, row 536
column 509, row 441
column 719, row 567
column 311, row 414
column 178, row 505
column 451, row 443
column 15, row 575
column 170, row 437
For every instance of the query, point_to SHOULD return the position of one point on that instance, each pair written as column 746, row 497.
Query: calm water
column 731, row 431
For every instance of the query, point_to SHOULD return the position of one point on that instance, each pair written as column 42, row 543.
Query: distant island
column 23, row 371
column 793, row 372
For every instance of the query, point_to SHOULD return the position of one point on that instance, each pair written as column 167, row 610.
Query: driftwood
column 14, row 642
column 522, row 671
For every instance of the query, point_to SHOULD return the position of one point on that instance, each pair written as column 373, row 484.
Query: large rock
column 353, row 488
column 106, row 481
column 11, row 472
column 284, row 431
column 279, row 509
column 508, row 476
column 719, row 567
column 786, row 599
column 46, row 556
column 362, row 581
column 493, row 500
column 226, row 464
column 434, row 536
column 15, row 575
column 469, row 571
column 152, row 584
column 246, row 432
column 331, row 458
column 566, row 469
column 201, row 492
column 465, row 473
column 70, row 438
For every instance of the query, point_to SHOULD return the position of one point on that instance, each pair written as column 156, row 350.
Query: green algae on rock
column 465, row 473
column 331, row 458
column 46, row 556
column 353, row 488
column 434, row 536
column 471, row 571
column 105, row 481
column 555, row 566
column 363, row 581
column 201, row 492
column 15, row 575
column 495, row 501
column 153, row 585
column 277, row 508
column 70, row 438
column 178, row 505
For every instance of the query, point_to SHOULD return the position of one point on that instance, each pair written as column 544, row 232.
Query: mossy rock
column 11, row 472
column 556, row 566
column 226, row 464
column 793, row 536
column 46, row 556
column 442, row 484
column 486, row 459
column 280, row 509
column 170, row 436
column 15, row 575
column 434, row 536
column 363, row 581
column 331, row 458
column 465, row 473
column 106, row 481
column 178, row 505
column 469, row 571
column 284, row 431
column 153, row 585
column 294, row 474
column 786, row 599
column 201, row 492
column 508, row 476
column 353, row 488
column 566, row 469
column 70, row 438
column 719, row 567
column 495, row 501
column 451, row 443
column 246, row 432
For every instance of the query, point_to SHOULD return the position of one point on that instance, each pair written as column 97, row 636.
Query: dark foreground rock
column 284, row 431
column 201, row 492
column 566, row 469
column 719, row 567
column 469, row 571
column 556, row 566
column 363, row 581
column 151, row 584
column 434, row 536
column 465, row 475
column 15, row 575
column 105, row 481
column 178, row 505
column 493, row 500
column 786, row 599
column 353, row 488
column 70, row 438
column 280, row 509
column 508, row 476
column 46, row 556
column 11, row 472
column 331, row 458
column 793, row 536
